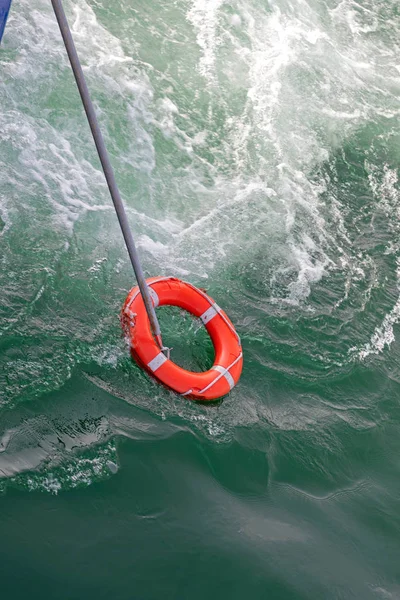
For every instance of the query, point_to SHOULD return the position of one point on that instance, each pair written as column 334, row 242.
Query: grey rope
column 106, row 164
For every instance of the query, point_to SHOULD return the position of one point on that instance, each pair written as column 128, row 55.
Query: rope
column 106, row 164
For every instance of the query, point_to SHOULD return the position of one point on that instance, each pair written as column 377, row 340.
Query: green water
column 257, row 148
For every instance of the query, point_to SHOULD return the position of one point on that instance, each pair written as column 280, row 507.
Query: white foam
column 204, row 17
column 383, row 181
column 286, row 127
column 236, row 20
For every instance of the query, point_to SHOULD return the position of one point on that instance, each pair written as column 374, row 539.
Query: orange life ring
column 227, row 367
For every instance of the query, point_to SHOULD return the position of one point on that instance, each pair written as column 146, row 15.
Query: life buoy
column 228, row 362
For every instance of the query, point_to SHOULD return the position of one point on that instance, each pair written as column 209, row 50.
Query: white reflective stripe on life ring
column 226, row 374
column 209, row 313
column 157, row 361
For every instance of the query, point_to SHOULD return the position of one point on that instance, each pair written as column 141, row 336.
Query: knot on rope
column 166, row 351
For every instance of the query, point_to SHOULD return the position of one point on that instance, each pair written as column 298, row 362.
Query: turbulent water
column 257, row 148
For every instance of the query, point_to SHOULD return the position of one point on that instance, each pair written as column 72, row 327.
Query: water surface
column 257, row 147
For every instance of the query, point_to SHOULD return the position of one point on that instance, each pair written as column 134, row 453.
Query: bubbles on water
column 383, row 181
column 94, row 465
column 204, row 15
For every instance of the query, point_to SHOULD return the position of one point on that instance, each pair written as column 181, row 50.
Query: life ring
column 228, row 363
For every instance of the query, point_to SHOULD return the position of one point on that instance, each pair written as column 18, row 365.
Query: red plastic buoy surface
column 208, row 385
